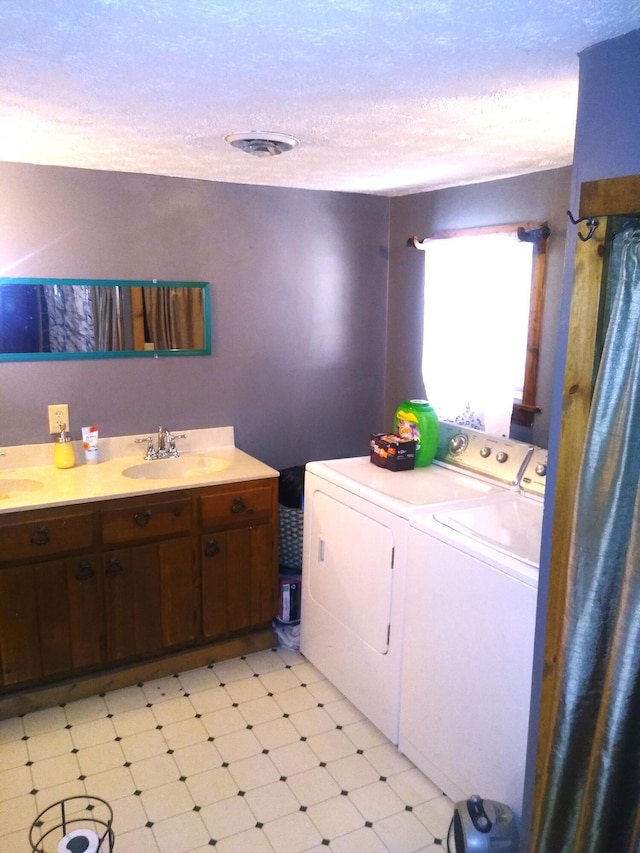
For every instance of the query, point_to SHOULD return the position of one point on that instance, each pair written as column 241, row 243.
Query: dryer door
column 351, row 569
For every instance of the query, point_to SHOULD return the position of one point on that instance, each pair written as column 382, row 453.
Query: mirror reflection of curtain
column 107, row 310
column 590, row 801
column 476, row 313
column 173, row 317
column 70, row 310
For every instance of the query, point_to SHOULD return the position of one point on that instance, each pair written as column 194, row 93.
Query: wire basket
column 290, row 526
column 71, row 815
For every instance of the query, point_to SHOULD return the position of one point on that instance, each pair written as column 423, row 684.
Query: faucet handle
column 151, row 452
column 171, row 439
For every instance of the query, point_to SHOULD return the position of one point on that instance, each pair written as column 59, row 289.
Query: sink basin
column 188, row 465
column 10, row 486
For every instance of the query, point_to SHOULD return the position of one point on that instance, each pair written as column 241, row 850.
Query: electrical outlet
column 58, row 414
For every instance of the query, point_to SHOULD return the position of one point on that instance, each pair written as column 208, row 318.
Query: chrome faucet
column 162, row 441
column 166, row 445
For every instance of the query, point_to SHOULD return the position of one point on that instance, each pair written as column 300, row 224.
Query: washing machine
column 469, row 621
column 355, row 547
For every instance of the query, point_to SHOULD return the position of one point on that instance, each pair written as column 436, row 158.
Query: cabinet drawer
column 137, row 520
column 241, row 503
column 43, row 534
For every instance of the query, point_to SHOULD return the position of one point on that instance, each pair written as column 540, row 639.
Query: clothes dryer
column 356, row 531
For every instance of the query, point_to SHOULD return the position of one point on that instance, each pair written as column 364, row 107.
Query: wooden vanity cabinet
column 86, row 587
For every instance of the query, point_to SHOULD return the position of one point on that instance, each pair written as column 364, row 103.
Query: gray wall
column 299, row 294
column 311, row 350
column 539, row 196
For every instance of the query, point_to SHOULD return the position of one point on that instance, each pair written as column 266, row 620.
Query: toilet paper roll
column 79, row 841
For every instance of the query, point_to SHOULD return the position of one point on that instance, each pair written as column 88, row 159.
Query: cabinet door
column 252, row 576
column 151, row 594
column 179, row 592
column 69, row 604
column 213, row 561
column 19, row 641
column 86, row 619
column 132, row 601
column 50, row 619
column 239, row 579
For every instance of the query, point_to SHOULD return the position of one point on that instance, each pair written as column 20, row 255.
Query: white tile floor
column 260, row 753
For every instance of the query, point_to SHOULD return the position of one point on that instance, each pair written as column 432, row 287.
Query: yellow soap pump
column 63, row 455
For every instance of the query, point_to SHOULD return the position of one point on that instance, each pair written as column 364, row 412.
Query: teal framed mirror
column 44, row 319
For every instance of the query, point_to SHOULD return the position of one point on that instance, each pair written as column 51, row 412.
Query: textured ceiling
column 385, row 96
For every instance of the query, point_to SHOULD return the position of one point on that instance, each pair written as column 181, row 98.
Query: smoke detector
column 262, row 144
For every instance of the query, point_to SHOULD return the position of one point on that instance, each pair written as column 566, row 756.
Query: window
column 484, row 289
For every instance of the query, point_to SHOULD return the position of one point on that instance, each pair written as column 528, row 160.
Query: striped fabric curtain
column 173, row 317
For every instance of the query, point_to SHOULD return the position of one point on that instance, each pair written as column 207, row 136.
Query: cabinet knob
column 84, row 572
column 238, row 506
column 211, row 549
column 114, row 567
column 41, row 536
column 141, row 519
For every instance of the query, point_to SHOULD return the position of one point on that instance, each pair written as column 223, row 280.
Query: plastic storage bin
column 291, row 529
column 290, row 512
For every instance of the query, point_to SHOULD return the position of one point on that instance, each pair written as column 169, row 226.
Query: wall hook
column 591, row 222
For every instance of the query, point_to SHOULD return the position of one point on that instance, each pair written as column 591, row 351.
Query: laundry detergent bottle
column 417, row 419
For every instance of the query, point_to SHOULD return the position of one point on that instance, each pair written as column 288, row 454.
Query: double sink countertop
column 29, row 479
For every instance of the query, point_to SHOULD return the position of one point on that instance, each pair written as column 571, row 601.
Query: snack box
column 392, row 452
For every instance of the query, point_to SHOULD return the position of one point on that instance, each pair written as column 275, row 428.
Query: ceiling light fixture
column 262, row 144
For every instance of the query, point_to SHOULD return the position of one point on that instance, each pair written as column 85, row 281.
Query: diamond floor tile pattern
column 260, row 754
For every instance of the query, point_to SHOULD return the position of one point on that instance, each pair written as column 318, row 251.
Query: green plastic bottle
column 418, row 420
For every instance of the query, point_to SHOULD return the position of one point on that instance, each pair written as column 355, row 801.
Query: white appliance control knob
column 541, row 470
column 485, row 451
column 501, row 456
column 458, row 443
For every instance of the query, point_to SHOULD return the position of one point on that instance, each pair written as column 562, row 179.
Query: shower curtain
column 173, row 317
column 70, row 312
column 591, row 797
column 83, row 318
column 107, row 311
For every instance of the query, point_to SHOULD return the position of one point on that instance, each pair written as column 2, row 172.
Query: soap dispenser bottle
column 63, row 455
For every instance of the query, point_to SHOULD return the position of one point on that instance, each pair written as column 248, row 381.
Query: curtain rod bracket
column 536, row 235
column 417, row 243
column 591, row 222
